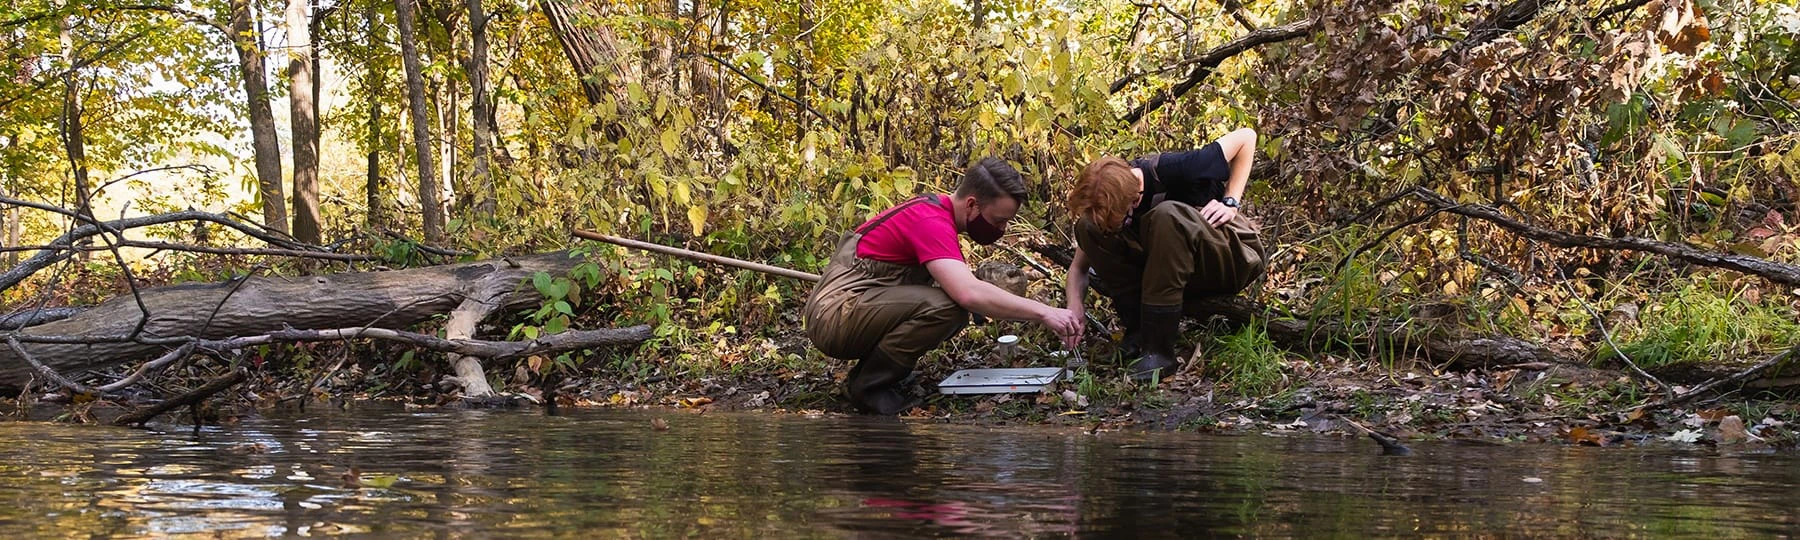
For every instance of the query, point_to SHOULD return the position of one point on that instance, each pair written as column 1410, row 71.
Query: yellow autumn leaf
column 697, row 218
column 903, row 180
column 671, row 141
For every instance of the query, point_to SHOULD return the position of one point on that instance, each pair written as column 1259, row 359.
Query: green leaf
column 1667, row 147
column 564, row 308
column 541, row 281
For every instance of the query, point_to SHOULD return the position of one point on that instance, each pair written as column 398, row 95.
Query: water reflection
column 380, row 471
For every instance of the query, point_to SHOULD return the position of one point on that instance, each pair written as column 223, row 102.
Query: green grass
column 1701, row 322
column 1248, row 361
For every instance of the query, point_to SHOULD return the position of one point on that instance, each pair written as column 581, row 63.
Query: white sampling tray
column 1000, row 380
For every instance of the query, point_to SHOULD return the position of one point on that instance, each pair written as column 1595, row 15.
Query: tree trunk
column 74, row 143
column 374, row 185
column 281, row 305
column 304, row 123
column 266, row 146
column 482, row 108
column 592, row 51
column 801, row 68
column 429, row 192
column 443, row 98
column 8, row 216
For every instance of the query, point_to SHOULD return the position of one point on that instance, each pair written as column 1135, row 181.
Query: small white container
column 1006, row 346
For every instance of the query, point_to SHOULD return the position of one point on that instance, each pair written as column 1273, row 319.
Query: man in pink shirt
column 876, row 301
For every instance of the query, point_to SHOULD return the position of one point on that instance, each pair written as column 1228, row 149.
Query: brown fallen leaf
column 659, row 424
column 1731, row 430
column 1582, row 435
column 353, row 477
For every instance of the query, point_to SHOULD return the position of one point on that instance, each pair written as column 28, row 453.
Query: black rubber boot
column 874, row 385
column 1160, row 325
column 1130, row 324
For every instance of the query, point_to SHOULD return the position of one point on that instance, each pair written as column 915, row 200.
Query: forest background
column 1612, row 183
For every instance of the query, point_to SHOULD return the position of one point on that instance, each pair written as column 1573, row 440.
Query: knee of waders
column 1173, row 215
column 944, row 315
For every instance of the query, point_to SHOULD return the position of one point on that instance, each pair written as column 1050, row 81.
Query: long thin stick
column 707, row 257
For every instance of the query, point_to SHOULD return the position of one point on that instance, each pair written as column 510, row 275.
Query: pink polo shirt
column 916, row 234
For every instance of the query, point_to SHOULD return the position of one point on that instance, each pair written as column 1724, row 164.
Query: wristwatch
column 1229, row 201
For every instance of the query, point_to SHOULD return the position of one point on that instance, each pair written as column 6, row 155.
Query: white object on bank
column 1000, row 380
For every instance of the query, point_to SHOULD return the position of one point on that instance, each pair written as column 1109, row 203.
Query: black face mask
column 983, row 232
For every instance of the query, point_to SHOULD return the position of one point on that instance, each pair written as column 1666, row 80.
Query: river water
column 379, row 470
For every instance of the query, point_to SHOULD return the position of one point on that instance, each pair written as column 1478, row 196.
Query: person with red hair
column 1159, row 230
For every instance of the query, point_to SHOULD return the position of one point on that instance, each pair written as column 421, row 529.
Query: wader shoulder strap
column 1154, row 191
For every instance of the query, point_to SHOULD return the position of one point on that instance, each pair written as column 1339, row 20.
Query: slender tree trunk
column 74, row 144
column 9, row 218
column 801, row 67
column 482, row 108
column 266, row 146
column 374, row 184
column 429, row 192
column 304, row 123
column 444, row 97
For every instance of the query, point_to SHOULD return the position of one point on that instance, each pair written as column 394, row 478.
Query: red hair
column 1103, row 193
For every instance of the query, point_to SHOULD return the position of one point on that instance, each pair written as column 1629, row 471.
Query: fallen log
column 1323, row 334
column 255, row 310
column 1316, row 334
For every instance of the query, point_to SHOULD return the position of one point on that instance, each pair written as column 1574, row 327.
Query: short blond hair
column 1103, row 193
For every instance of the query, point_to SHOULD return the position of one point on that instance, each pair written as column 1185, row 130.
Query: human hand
column 1072, row 341
column 1216, row 213
column 1064, row 323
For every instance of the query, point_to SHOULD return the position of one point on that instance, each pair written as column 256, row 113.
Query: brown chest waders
column 1170, row 256
column 883, row 315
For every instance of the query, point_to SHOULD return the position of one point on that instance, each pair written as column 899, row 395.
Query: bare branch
column 1617, row 9
column 765, row 86
column 190, row 248
column 191, row 16
column 1773, row 271
column 1201, row 66
column 152, row 366
column 194, row 396
column 86, row 60
column 45, row 371
column 1739, row 377
column 27, row 317
column 63, row 247
column 1606, row 333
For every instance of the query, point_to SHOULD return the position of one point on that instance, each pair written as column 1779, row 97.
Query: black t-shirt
column 1195, row 177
